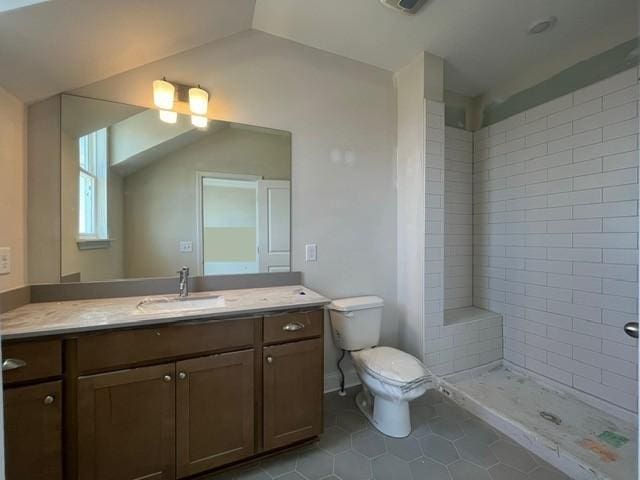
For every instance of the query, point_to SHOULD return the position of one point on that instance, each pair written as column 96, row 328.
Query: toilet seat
column 392, row 367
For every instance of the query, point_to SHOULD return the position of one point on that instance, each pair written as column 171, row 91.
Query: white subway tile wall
column 434, row 214
column 555, row 235
column 458, row 220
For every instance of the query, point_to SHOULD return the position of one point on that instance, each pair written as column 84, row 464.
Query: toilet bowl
column 390, row 377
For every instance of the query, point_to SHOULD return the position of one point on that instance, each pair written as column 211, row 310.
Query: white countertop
column 58, row 318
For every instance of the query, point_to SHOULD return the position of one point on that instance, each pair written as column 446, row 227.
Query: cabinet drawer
column 25, row 361
column 285, row 327
column 129, row 347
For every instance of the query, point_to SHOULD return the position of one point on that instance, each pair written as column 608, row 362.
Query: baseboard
column 332, row 380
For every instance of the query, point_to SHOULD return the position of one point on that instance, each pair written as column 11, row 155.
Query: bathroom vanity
column 97, row 389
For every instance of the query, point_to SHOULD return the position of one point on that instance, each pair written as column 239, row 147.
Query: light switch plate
column 186, row 246
column 311, row 252
column 5, row 260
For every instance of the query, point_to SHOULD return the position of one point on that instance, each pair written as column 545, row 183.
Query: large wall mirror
column 142, row 198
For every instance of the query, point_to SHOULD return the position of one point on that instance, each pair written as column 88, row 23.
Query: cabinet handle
column 49, row 399
column 182, row 375
column 269, row 359
column 12, row 364
column 167, row 378
column 293, row 327
column 631, row 329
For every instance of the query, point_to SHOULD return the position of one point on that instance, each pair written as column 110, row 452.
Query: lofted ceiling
column 58, row 45
column 484, row 42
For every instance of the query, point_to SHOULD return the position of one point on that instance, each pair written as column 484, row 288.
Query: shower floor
column 588, row 443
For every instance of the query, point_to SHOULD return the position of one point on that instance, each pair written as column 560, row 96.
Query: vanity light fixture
column 165, row 94
column 198, row 100
column 199, row 121
column 168, row 116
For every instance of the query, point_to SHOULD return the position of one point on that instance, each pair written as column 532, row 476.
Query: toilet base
column 391, row 418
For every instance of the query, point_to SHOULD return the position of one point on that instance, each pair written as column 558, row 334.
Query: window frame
column 94, row 148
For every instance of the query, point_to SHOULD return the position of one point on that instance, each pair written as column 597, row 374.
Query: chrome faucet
column 183, row 285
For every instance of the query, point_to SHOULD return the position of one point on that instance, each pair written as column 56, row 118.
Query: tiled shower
column 550, row 234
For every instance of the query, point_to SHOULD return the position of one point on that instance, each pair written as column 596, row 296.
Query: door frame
column 199, row 237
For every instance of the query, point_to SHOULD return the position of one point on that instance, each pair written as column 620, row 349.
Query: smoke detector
column 542, row 25
column 410, row 7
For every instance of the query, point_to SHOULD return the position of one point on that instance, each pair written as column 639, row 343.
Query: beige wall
column 160, row 199
column 345, row 201
column 97, row 264
column 13, row 188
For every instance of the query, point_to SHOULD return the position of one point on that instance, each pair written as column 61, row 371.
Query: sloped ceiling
column 56, row 46
column 59, row 45
column 484, row 42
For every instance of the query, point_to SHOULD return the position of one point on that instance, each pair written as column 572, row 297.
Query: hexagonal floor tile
column 480, row 431
column 291, row 476
column 253, row 473
column 423, row 469
column 447, row 428
column 352, row 466
column 467, row 471
column 329, row 419
column 314, row 463
column 390, row 467
column 280, row 464
column 439, row 449
column 513, row 455
column 546, row 473
column 335, row 440
column 335, row 403
column 475, row 452
column 431, row 397
column 351, row 421
column 369, row 443
column 406, row 448
column 448, row 409
column 505, row 472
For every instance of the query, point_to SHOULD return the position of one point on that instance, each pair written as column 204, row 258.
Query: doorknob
column 631, row 329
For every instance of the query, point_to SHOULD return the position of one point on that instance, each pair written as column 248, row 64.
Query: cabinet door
column 293, row 384
column 126, row 425
column 214, row 411
column 33, row 432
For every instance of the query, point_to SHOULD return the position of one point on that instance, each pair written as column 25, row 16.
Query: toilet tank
column 356, row 322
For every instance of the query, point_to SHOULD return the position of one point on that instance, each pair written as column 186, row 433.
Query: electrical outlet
column 186, row 246
column 5, row 260
column 311, row 252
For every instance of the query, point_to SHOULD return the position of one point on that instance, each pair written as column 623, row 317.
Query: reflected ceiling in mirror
column 142, row 198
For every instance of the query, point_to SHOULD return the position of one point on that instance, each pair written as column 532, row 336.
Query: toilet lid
column 390, row 364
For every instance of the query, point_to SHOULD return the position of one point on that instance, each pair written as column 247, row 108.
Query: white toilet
column 390, row 377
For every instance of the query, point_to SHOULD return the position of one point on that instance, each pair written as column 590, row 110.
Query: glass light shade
column 168, row 116
column 198, row 101
column 199, row 121
column 163, row 94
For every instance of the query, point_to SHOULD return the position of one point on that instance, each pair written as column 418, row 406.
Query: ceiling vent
column 410, row 7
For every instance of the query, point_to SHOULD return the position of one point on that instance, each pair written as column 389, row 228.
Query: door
column 293, row 377
column 126, row 424
column 274, row 223
column 33, row 432
column 214, row 411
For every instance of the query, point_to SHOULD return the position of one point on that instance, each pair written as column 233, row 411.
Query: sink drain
column 550, row 417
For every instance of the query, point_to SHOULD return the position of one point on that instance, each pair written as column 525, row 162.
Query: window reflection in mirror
column 142, row 198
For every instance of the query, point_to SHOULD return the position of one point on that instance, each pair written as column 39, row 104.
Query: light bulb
column 168, row 116
column 199, row 121
column 163, row 94
column 198, row 101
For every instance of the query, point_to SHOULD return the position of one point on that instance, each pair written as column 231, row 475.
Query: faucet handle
column 183, row 270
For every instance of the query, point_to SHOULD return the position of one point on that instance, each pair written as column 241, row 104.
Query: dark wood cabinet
column 126, row 424
column 214, row 411
column 33, row 432
column 162, row 402
column 293, row 384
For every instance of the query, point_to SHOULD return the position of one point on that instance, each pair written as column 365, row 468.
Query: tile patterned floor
column 447, row 443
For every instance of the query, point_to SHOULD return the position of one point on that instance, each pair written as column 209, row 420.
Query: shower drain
column 551, row 417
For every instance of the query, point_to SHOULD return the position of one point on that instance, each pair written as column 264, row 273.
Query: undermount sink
column 180, row 304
